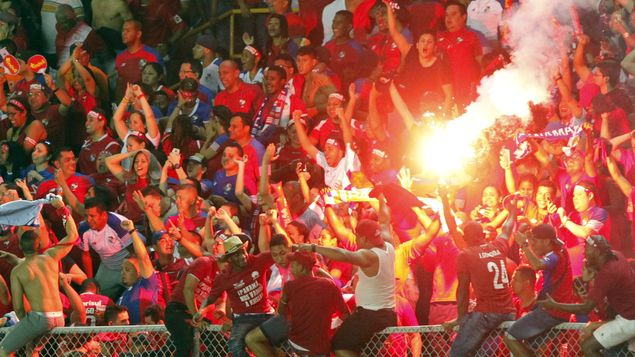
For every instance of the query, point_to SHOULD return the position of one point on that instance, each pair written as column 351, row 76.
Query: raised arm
column 145, row 264
column 342, row 233
column 579, row 62
column 456, row 235
column 264, row 233
column 401, row 107
column 151, row 121
column 113, row 163
column 395, row 33
column 60, row 93
column 374, row 117
column 76, row 301
column 624, row 185
column 309, row 148
column 239, row 190
column 118, row 117
column 64, row 247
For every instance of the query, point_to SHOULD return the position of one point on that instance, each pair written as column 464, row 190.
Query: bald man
column 238, row 96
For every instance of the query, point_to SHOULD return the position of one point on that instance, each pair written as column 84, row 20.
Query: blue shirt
column 143, row 293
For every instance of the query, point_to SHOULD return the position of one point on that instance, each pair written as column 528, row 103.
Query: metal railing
column 153, row 341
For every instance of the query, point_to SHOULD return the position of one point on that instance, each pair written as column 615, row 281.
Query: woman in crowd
column 25, row 129
column 252, row 70
column 153, row 76
column 12, row 160
column 145, row 171
column 40, row 170
column 278, row 41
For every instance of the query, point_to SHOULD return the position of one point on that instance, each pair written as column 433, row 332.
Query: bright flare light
column 449, row 147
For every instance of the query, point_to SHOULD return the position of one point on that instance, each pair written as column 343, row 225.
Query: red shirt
column 244, row 100
column 387, row 51
column 324, row 130
column 79, row 185
column 296, row 25
column 90, row 152
column 616, row 282
column 95, row 306
column 311, row 14
column 247, row 289
column 311, row 303
column 161, row 20
column 461, row 49
column 486, row 267
column 205, row 270
column 132, row 210
column 129, row 64
column 191, row 224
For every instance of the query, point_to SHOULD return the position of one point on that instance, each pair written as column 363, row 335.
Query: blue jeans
column 242, row 324
column 473, row 329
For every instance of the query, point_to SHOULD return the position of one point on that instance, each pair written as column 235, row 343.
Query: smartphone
column 176, row 151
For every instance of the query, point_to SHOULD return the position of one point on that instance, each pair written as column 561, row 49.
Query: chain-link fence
column 153, row 341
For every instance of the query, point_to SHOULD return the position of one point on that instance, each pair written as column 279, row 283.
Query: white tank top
column 378, row 292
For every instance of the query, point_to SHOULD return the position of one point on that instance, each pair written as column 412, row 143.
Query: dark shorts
column 533, row 324
column 360, row 327
column 276, row 330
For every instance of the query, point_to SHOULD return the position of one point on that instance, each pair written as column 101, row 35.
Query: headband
column 337, row 96
column 18, row 104
column 94, row 115
column 334, row 142
column 380, row 153
column 36, row 86
column 252, row 50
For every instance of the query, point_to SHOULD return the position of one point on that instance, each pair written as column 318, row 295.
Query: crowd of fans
column 282, row 194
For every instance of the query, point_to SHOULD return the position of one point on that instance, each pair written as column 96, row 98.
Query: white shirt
column 210, row 77
column 110, row 242
column 258, row 79
column 378, row 292
column 337, row 177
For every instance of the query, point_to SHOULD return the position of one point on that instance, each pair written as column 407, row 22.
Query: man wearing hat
column 245, row 283
column 544, row 252
column 375, row 291
column 613, row 281
column 205, row 51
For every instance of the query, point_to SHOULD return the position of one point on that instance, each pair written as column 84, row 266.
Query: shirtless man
column 37, row 279
column 108, row 19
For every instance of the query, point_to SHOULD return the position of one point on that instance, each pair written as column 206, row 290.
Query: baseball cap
column 599, row 242
column 367, row 228
column 544, row 231
column 305, row 259
column 207, row 41
column 197, row 158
